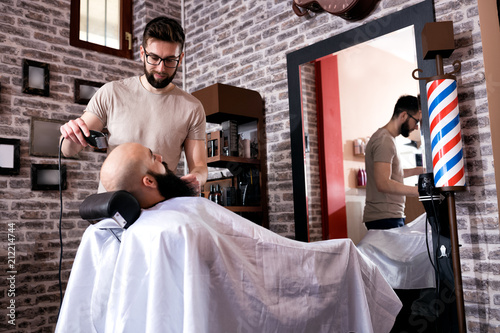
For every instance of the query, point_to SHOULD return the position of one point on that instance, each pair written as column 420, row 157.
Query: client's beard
column 155, row 83
column 171, row 186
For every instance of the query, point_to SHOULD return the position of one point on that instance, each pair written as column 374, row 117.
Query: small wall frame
column 84, row 90
column 45, row 177
column 35, row 78
column 10, row 160
column 44, row 137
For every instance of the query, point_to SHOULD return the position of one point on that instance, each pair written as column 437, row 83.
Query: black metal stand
column 455, row 257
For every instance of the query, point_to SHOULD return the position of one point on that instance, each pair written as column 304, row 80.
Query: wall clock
column 347, row 9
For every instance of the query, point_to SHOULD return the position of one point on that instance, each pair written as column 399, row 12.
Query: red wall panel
column 330, row 149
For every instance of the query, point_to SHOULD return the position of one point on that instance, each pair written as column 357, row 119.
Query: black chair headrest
column 121, row 206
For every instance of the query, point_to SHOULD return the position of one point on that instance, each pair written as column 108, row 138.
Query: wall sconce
column 350, row 10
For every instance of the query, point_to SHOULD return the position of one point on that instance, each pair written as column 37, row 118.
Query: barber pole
column 446, row 140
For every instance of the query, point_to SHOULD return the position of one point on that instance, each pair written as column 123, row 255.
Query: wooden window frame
column 125, row 26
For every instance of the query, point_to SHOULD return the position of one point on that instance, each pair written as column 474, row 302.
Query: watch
column 347, row 9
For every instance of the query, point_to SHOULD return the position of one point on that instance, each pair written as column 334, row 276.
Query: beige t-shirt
column 382, row 148
column 161, row 122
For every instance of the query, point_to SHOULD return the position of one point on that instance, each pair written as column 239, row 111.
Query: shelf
column 221, row 103
column 223, row 161
column 219, row 179
column 219, row 118
column 244, row 209
column 224, row 102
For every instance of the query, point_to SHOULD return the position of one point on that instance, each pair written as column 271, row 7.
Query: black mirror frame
column 417, row 15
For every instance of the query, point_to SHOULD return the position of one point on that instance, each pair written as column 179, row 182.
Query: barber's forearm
column 413, row 171
column 70, row 148
column 201, row 173
column 393, row 187
column 75, row 131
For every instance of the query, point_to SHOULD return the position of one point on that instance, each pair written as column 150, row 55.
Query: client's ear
column 149, row 181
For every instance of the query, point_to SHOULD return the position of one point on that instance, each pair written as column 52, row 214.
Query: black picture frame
column 84, row 90
column 36, row 77
column 10, row 156
column 44, row 137
column 46, row 177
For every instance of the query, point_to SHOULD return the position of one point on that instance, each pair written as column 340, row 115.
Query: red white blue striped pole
column 446, row 139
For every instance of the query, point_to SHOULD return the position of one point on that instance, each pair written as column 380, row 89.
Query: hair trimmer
column 97, row 139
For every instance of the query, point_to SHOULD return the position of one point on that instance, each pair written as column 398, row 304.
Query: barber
column 149, row 109
column 385, row 190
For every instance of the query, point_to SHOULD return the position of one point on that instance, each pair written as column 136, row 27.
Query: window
column 102, row 25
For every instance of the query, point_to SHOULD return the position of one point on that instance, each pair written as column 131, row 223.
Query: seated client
column 190, row 265
column 136, row 169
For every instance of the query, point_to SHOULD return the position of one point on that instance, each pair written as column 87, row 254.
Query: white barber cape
column 189, row 265
column 401, row 254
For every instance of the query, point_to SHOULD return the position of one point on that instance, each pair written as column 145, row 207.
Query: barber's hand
column 193, row 182
column 73, row 129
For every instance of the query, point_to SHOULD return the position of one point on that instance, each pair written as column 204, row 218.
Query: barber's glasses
column 416, row 120
column 170, row 62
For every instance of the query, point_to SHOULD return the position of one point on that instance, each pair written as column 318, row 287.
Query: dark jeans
column 385, row 223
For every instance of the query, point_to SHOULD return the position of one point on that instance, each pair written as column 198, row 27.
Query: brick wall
column 308, row 80
column 39, row 30
column 477, row 209
column 243, row 43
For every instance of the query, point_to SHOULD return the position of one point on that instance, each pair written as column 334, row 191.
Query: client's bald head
column 124, row 168
column 136, row 169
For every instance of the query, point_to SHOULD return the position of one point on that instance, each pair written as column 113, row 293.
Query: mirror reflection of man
column 385, row 190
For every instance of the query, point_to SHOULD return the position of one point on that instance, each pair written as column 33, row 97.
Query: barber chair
column 120, row 206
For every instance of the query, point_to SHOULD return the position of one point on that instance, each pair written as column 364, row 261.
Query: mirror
column 302, row 65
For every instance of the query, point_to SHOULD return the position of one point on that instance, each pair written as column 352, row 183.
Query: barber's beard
column 405, row 129
column 158, row 84
column 171, row 186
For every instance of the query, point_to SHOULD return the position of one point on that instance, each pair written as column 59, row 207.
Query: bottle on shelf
column 211, row 195
column 215, row 147
column 361, row 177
column 357, row 147
column 218, row 195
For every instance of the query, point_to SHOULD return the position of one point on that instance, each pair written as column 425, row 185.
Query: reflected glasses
column 416, row 120
column 170, row 62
